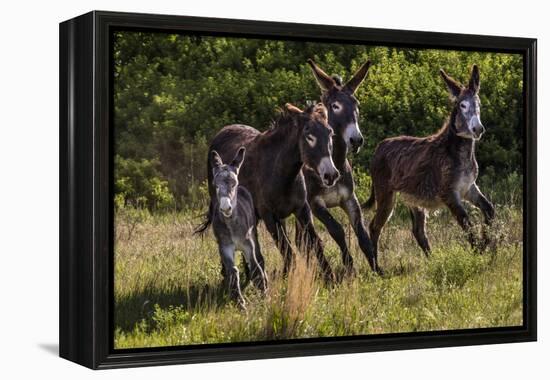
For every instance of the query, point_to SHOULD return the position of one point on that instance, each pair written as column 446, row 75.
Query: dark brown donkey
column 343, row 117
column 272, row 172
column 434, row 171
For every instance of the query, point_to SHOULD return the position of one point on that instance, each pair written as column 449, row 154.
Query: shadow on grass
column 133, row 308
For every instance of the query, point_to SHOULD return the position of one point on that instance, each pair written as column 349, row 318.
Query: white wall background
column 29, row 186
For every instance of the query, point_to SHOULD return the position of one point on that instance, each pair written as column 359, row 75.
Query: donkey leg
column 258, row 252
column 313, row 242
column 259, row 258
column 299, row 236
column 256, row 272
column 457, row 209
column 475, row 196
column 418, row 216
column 336, row 232
column 227, row 253
column 384, row 208
column 246, row 274
column 353, row 210
column 277, row 231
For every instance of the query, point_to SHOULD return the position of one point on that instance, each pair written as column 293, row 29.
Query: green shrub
column 128, row 219
column 173, row 93
column 137, row 184
column 363, row 183
column 170, row 316
column 454, row 267
column 502, row 189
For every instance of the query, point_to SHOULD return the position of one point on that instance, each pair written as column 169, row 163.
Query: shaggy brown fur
column 434, row 171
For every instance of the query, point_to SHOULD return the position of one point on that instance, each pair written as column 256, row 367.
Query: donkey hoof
column 349, row 271
column 329, row 277
column 379, row 271
column 241, row 304
column 261, row 285
column 481, row 246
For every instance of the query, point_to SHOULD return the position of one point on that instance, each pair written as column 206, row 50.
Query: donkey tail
column 371, row 201
column 201, row 228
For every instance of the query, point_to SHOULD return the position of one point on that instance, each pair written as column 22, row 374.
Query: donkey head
column 466, row 105
column 343, row 107
column 226, row 181
column 315, row 142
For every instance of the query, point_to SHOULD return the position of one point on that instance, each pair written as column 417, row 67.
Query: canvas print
column 270, row 189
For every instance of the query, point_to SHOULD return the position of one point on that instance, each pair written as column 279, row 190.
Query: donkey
column 434, row 171
column 272, row 172
column 343, row 117
column 234, row 224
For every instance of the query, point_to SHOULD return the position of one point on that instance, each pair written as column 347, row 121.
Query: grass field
column 168, row 284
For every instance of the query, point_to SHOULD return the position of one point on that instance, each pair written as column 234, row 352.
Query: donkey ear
column 454, row 87
column 293, row 109
column 238, row 159
column 358, row 78
column 323, row 80
column 216, row 159
column 474, row 79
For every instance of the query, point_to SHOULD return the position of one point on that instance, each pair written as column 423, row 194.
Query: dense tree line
column 174, row 92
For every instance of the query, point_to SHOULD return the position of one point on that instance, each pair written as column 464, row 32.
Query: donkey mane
column 282, row 120
column 287, row 119
column 338, row 80
column 447, row 126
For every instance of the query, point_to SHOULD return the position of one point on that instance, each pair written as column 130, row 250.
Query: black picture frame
column 86, row 202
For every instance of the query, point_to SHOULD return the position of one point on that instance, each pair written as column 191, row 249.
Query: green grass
column 168, row 284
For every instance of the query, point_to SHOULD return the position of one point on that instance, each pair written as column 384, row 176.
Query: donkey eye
column 311, row 140
column 463, row 105
column 335, row 106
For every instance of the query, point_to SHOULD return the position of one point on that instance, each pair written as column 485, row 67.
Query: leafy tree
column 174, row 92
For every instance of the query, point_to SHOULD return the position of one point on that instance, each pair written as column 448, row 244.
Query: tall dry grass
column 288, row 304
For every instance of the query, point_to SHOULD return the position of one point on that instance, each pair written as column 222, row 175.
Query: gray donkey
column 343, row 117
column 434, row 171
column 234, row 224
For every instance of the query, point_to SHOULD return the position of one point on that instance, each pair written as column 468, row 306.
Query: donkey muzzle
column 225, row 207
column 356, row 143
column 478, row 131
column 353, row 137
column 328, row 172
column 476, row 127
column 329, row 179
